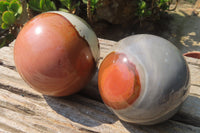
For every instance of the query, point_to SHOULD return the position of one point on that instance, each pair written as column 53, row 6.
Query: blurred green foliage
column 10, row 10
column 93, row 4
column 42, row 5
column 70, row 5
column 152, row 8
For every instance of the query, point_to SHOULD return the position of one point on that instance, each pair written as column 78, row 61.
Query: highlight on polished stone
column 120, row 83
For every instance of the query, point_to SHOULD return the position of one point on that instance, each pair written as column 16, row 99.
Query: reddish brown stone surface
column 118, row 81
column 51, row 56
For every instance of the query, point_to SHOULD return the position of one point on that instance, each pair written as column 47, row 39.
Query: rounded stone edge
column 84, row 30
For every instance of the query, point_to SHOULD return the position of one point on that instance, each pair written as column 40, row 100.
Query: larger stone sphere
column 144, row 80
column 56, row 53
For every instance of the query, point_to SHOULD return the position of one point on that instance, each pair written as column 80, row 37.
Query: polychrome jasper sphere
column 144, row 80
column 56, row 53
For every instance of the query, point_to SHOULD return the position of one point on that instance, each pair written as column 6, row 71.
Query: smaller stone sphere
column 56, row 53
column 144, row 79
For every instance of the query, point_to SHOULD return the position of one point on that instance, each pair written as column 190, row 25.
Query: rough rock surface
column 117, row 11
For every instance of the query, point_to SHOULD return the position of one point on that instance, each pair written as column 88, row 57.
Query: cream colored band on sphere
column 84, row 31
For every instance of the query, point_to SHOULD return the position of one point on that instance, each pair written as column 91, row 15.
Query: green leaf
column 2, row 43
column 64, row 10
column 34, row 5
column 143, row 11
column 85, row 1
column 15, row 7
column 52, row 4
column 8, row 17
column 76, row 5
column 69, row 4
column 94, row 2
column 1, row 21
column 143, row 5
column 66, row 3
column 3, row 6
column 49, row 5
column 20, row 10
column 149, row 13
column 42, row 3
column 161, row 1
column 6, row 39
column 5, row 26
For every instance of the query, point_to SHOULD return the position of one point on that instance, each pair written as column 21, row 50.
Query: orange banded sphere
column 120, row 84
column 56, row 53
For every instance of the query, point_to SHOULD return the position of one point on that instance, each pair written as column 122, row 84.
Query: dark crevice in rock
column 195, row 85
column 8, row 66
column 195, row 64
column 16, row 108
column 20, row 92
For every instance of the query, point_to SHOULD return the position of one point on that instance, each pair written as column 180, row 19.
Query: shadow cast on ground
column 91, row 113
column 81, row 110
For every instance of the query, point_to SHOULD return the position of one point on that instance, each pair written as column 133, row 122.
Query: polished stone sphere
column 56, row 53
column 144, row 79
